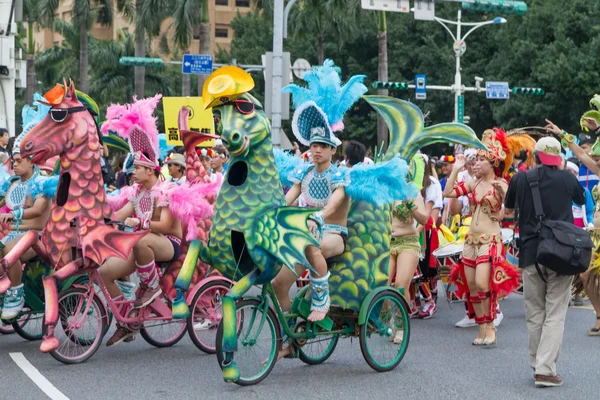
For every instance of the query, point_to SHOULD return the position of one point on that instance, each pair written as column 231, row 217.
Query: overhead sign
column 497, row 90
column 199, row 120
column 197, row 64
column 420, row 87
column 424, row 10
column 386, row 5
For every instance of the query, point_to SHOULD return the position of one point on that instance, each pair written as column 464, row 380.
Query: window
column 222, row 2
column 221, row 32
column 242, row 3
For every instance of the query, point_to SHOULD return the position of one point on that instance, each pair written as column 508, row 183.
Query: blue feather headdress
column 329, row 96
column 31, row 115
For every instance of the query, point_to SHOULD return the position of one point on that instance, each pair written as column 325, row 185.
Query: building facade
column 221, row 13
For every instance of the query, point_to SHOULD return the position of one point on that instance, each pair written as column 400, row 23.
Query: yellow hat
column 224, row 85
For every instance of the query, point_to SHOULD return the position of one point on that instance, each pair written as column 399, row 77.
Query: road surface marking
column 44, row 384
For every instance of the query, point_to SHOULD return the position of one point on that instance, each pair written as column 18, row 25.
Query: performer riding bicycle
column 29, row 204
column 146, row 209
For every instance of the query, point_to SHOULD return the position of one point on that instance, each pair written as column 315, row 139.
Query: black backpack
column 563, row 247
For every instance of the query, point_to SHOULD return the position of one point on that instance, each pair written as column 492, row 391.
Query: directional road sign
column 497, row 90
column 199, row 64
column 386, row 5
column 420, row 87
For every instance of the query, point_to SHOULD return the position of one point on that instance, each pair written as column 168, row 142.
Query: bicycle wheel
column 79, row 333
column 316, row 350
column 205, row 315
column 386, row 317
column 163, row 333
column 30, row 326
column 256, row 343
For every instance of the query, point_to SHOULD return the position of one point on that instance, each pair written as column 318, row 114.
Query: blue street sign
column 497, row 90
column 420, row 87
column 197, row 64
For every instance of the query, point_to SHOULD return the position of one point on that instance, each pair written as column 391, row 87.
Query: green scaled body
column 364, row 264
column 250, row 228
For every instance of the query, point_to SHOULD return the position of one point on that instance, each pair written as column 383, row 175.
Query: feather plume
column 326, row 90
column 381, row 183
column 191, row 203
column 49, row 186
column 122, row 118
column 516, row 143
column 286, row 164
column 119, row 198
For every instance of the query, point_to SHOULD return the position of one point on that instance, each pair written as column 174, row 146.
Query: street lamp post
column 460, row 48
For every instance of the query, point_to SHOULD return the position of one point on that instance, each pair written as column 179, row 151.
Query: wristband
column 17, row 214
column 410, row 205
column 566, row 139
column 318, row 218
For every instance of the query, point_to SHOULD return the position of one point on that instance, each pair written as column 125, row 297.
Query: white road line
column 44, row 384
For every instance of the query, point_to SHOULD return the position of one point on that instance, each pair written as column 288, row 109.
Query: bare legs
column 591, row 288
column 478, row 280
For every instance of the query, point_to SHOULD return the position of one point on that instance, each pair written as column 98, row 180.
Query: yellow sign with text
column 199, row 120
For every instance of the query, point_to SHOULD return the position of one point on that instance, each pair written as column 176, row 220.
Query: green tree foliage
column 554, row 46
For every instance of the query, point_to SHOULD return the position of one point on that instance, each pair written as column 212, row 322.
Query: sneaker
column 414, row 312
column 121, row 335
column 428, row 310
column 146, row 295
column 548, row 380
column 398, row 337
column 203, row 326
column 13, row 303
column 498, row 319
column 466, row 322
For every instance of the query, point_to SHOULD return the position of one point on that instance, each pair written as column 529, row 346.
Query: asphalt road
column 440, row 364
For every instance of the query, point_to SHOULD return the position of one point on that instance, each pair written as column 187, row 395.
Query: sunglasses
column 60, row 114
column 244, row 106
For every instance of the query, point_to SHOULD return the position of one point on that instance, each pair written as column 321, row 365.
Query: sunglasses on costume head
column 60, row 114
column 244, row 106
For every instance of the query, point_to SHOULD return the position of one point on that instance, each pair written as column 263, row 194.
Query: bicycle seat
column 163, row 265
column 333, row 260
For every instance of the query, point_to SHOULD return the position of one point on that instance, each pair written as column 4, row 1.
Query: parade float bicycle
column 79, row 237
column 254, row 234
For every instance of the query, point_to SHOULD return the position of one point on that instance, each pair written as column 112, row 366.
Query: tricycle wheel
column 30, row 325
column 318, row 349
column 385, row 334
column 258, row 342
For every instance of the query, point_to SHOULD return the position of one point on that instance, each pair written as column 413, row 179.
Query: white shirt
column 433, row 193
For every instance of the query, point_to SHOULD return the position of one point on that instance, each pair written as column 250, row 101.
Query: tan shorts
column 480, row 249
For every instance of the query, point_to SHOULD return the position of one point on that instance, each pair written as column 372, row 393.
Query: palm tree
column 85, row 14
column 57, row 62
column 322, row 18
column 147, row 16
column 186, row 14
column 31, row 17
column 382, row 75
column 111, row 81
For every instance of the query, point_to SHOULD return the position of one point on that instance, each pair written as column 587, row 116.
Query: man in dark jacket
column 546, row 303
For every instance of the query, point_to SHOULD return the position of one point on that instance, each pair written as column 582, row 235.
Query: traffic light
column 142, row 62
column 390, row 85
column 528, row 90
column 497, row 6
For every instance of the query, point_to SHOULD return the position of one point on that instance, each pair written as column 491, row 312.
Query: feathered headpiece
column 495, row 141
column 136, row 123
column 515, row 144
column 31, row 115
column 330, row 101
